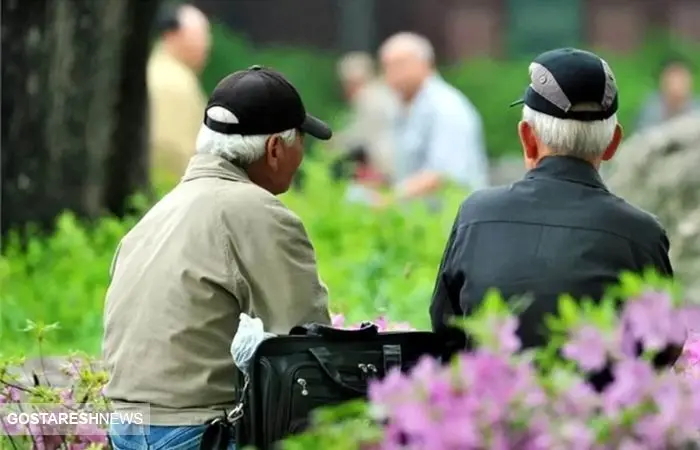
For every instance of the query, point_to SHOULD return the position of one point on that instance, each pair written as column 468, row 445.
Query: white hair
column 356, row 66
column 586, row 140
column 234, row 147
column 411, row 42
column 191, row 16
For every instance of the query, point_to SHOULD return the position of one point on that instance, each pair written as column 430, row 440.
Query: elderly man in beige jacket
column 176, row 97
column 219, row 244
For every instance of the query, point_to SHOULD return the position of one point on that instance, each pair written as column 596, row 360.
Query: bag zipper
column 284, row 416
column 284, row 412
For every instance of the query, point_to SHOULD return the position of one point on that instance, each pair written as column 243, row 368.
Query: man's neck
column 410, row 98
column 172, row 51
column 593, row 162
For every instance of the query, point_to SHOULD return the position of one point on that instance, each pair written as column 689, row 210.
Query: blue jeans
column 145, row 437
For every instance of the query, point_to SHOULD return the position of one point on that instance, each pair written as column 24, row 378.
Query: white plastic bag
column 247, row 339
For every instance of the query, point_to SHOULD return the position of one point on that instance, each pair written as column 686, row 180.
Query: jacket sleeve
column 275, row 266
column 445, row 302
column 661, row 261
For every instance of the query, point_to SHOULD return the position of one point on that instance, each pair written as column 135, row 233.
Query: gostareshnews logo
column 62, row 420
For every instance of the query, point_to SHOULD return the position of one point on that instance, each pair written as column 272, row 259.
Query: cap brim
column 316, row 128
column 517, row 102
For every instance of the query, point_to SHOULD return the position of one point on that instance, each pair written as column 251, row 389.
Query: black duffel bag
column 318, row 366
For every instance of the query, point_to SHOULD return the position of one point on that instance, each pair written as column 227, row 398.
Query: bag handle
column 366, row 331
column 322, row 357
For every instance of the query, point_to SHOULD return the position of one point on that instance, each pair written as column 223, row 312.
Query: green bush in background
column 491, row 85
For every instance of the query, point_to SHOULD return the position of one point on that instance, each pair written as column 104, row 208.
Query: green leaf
column 569, row 312
column 631, row 285
column 493, row 304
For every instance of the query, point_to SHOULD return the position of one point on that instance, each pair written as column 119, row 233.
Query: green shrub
column 371, row 260
column 490, row 85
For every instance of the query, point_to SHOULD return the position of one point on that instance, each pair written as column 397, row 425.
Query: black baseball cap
column 564, row 78
column 167, row 18
column 264, row 102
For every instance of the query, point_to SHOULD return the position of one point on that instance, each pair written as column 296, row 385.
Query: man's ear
column 614, row 143
column 273, row 151
column 528, row 140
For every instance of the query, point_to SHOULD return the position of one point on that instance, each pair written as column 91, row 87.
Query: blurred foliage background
column 373, row 261
column 489, row 83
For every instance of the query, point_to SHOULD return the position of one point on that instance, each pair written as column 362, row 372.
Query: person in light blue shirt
column 439, row 132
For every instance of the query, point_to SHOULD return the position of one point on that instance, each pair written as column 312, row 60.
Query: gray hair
column 586, row 140
column 356, row 66
column 234, row 147
column 412, row 42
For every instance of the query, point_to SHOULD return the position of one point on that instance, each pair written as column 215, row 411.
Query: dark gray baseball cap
column 563, row 78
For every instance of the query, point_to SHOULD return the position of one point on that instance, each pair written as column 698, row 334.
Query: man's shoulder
column 492, row 203
column 481, row 201
column 251, row 202
column 449, row 102
column 166, row 75
column 645, row 220
column 244, row 194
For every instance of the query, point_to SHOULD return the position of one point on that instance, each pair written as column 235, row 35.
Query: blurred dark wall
column 290, row 22
column 458, row 28
column 319, row 23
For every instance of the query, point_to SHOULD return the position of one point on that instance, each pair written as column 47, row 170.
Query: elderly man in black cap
column 219, row 244
column 559, row 230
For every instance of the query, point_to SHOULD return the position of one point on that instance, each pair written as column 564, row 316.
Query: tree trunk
column 74, row 129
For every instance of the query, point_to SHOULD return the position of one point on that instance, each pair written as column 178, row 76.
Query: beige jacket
column 214, row 247
column 177, row 103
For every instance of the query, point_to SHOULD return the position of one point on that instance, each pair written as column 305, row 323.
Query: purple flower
column 459, row 433
column 630, row 386
column 66, row 396
column 689, row 362
column 507, row 338
column 337, row 320
column 394, row 386
column 653, row 321
column 578, row 400
column 91, row 433
column 10, row 394
column 577, row 435
column 632, row 444
column 587, row 347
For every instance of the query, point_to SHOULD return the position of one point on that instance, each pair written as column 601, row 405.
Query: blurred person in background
column 559, row 229
column 439, row 132
column 219, row 244
column 176, row 97
column 366, row 142
column 675, row 95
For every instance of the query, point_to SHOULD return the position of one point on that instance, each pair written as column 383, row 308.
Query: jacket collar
column 161, row 56
column 212, row 166
column 567, row 168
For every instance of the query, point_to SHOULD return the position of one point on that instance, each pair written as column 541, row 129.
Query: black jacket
column 559, row 230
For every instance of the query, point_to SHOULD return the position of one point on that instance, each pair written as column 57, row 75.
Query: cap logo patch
column 610, row 86
column 544, row 83
column 221, row 114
